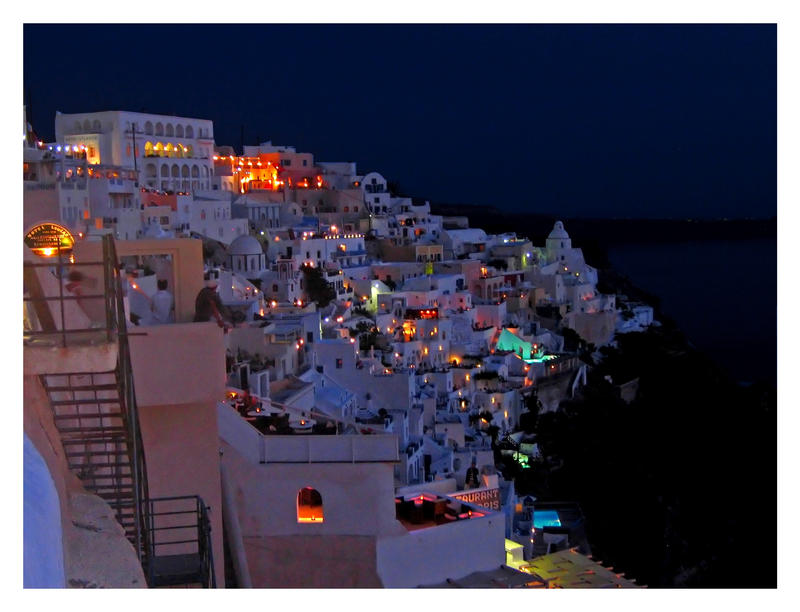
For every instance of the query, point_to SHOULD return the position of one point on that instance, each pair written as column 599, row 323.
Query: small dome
column 245, row 245
column 559, row 233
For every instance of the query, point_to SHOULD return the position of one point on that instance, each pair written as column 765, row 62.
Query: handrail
column 202, row 539
column 115, row 302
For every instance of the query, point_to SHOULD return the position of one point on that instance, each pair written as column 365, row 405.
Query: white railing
column 303, row 448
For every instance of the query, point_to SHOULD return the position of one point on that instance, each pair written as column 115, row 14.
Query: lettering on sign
column 46, row 239
column 488, row 498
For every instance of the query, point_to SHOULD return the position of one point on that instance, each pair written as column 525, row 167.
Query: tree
column 316, row 287
column 572, row 340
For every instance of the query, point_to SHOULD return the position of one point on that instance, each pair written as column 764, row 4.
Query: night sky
column 575, row 120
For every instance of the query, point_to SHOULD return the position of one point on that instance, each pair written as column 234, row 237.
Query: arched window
column 170, row 131
column 185, row 171
column 309, row 506
column 148, row 149
column 165, row 170
column 96, row 125
column 169, row 150
column 176, row 171
column 195, row 171
column 189, row 131
column 87, row 126
column 148, row 127
column 159, row 129
column 158, row 149
column 179, row 131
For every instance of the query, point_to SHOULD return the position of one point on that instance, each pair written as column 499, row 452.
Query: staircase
column 90, row 414
column 96, row 416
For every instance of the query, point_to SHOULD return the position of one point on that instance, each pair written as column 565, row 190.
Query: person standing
column 162, row 305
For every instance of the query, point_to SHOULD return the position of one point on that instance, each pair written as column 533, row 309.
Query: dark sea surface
column 722, row 295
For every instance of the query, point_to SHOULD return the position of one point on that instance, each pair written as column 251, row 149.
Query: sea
column 722, row 295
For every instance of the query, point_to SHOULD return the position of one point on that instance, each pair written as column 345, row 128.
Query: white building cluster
column 378, row 356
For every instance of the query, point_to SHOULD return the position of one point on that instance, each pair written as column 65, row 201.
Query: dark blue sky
column 575, row 120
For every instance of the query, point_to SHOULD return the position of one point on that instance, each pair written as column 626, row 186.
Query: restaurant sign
column 46, row 238
column 488, row 498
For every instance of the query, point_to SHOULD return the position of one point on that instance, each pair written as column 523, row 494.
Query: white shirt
column 162, row 307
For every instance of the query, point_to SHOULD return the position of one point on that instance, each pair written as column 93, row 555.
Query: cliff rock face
column 97, row 552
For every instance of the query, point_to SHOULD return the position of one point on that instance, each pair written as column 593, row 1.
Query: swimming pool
column 545, row 518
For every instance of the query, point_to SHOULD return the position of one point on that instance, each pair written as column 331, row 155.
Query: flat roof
column 503, row 577
column 569, row 569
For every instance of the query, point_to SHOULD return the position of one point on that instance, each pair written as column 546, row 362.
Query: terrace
column 424, row 510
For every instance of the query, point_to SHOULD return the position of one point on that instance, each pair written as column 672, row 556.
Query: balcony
column 267, row 449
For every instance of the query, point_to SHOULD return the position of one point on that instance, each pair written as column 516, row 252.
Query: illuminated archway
column 309, row 506
column 148, row 149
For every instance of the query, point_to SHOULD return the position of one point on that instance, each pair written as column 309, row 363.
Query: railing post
column 61, row 296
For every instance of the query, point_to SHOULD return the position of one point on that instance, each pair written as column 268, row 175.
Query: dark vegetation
column 316, row 287
column 679, row 486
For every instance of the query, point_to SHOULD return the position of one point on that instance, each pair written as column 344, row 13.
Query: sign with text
column 488, row 498
column 46, row 239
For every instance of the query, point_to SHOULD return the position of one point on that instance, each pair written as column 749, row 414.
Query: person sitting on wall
column 208, row 304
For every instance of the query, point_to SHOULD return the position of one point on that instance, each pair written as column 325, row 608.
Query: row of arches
column 88, row 126
column 178, row 130
column 177, row 170
column 167, row 150
column 159, row 129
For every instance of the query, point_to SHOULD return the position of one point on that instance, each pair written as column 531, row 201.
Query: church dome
column 245, row 245
column 558, row 233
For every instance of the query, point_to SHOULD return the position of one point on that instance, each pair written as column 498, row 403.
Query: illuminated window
column 309, row 506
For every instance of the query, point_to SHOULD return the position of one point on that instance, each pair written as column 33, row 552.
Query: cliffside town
column 340, row 375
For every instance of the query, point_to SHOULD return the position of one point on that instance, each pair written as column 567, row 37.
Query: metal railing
column 113, row 328
column 179, row 537
column 62, row 268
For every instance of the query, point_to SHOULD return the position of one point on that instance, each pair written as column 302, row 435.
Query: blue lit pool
column 545, row 518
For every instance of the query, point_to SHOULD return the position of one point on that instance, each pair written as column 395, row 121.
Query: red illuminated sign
column 488, row 498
